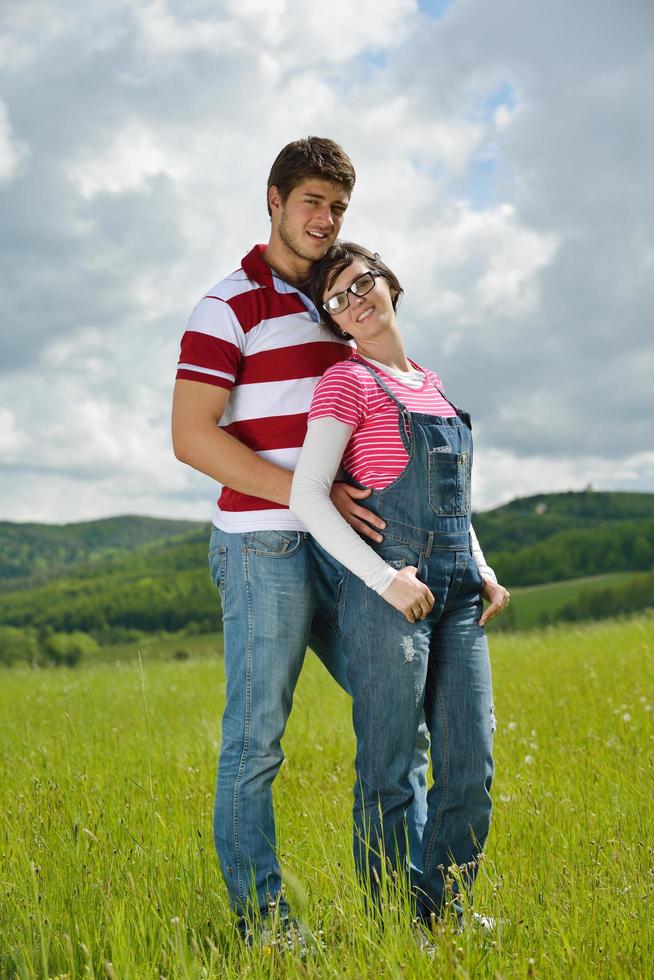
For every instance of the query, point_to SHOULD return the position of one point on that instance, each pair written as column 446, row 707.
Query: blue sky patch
column 434, row 8
column 504, row 94
column 479, row 182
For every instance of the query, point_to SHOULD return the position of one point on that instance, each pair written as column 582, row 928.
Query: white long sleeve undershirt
column 314, row 475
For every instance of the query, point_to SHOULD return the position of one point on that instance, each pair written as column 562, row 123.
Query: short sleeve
column 433, row 377
column 340, row 394
column 212, row 345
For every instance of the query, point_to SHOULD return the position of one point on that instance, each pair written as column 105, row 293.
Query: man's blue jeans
column 279, row 592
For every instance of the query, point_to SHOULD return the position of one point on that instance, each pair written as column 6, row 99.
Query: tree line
column 120, row 594
column 635, row 594
column 625, row 546
column 45, row 647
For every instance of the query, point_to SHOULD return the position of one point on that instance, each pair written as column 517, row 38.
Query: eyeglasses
column 340, row 301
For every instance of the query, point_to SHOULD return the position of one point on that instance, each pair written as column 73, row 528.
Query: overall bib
column 440, row 665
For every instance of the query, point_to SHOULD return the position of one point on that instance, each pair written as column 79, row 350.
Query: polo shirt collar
column 256, row 268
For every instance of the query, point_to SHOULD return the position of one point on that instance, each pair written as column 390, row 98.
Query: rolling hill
column 119, row 578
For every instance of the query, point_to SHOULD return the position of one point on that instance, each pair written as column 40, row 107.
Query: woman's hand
column 409, row 595
column 497, row 598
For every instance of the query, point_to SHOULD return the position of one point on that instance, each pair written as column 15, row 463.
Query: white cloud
column 164, row 34
column 11, row 439
column 503, row 117
column 515, row 257
column 285, row 33
column 131, row 157
column 12, row 151
column 501, row 476
column 520, row 230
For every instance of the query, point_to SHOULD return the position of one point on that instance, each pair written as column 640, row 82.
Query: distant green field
column 108, row 866
column 123, row 577
column 156, row 647
column 530, row 604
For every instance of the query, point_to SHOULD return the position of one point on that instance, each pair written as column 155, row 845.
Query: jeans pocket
column 449, row 483
column 340, row 601
column 274, row 544
column 478, row 575
column 399, row 555
column 218, row 568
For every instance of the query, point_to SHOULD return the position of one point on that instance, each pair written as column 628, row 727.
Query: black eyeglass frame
column 373, row 273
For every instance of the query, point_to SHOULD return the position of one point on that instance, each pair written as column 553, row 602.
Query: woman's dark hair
column 311, row 157
column 325, row 271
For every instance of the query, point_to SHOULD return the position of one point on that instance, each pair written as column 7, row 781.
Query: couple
column 399, row 623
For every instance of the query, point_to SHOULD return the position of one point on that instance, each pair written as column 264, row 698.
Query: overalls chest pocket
column 449, row 483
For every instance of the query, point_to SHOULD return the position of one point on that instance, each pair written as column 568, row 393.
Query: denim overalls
column 441, row 664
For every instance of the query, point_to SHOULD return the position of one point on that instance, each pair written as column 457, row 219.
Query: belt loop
column 430, row 541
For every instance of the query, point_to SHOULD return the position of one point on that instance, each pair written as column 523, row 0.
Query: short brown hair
column 311, row 157
column 329, row 267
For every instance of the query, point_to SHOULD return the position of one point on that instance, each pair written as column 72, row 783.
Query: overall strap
column 464, row 416
column 404, row 422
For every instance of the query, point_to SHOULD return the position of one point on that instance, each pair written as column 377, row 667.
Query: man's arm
column 201, row 443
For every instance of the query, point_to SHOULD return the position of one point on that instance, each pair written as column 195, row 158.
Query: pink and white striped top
column 374, row 456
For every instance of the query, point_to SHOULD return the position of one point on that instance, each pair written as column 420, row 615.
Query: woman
column 390, row 424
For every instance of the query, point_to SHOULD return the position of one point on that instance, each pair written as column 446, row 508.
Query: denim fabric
column 397, row 669
column 279, row 592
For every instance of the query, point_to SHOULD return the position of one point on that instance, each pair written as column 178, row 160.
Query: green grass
column 529, row 604
column 107, row 860
column 158, row 647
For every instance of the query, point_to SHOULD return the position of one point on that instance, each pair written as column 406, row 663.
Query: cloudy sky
column 504, row 154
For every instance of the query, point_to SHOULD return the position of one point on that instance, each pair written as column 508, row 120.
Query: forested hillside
column 154, row 587
column 552, row 537
column 29, row 551
column 118, row 579
column 528, row 520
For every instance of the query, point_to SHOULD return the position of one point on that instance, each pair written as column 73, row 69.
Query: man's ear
column 274, row 198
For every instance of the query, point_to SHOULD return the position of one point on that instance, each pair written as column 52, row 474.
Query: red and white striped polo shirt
column 375, row 455
column 261, row 339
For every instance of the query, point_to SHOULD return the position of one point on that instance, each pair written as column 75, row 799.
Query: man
column 252, row 353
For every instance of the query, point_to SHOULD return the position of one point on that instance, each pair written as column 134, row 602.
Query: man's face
column 310, row 218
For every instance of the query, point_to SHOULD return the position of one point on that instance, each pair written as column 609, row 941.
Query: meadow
column 108, row 866
column 531, row 603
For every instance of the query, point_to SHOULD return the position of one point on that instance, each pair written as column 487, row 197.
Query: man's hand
column 497, row 598
column 344, row 498
column 409, row 595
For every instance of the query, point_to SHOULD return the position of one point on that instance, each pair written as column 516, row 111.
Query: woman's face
column 366, row 317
